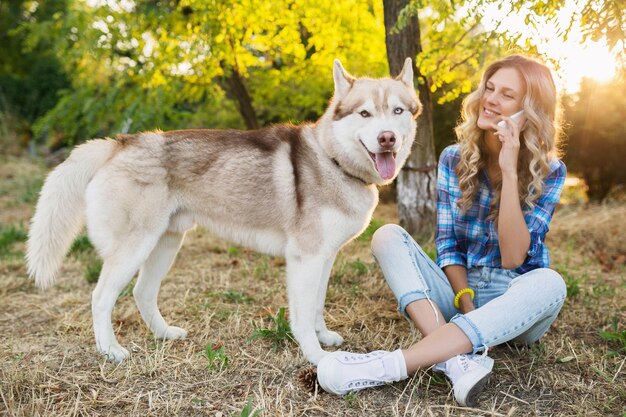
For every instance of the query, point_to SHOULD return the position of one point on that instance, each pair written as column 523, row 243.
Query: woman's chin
column 483, row 124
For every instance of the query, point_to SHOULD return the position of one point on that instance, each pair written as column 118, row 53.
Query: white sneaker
column 344, row 372
column 469, row 375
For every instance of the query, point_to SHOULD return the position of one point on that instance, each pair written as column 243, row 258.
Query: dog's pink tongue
column 386, row 165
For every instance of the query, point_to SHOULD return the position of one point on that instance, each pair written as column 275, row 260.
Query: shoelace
column 481, row 358
column 464, row 362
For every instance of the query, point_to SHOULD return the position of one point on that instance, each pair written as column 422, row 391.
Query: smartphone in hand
column 515, row 117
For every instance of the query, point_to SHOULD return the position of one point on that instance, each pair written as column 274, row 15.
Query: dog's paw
column 329, row 338
column 115, row 353
column 173, row 333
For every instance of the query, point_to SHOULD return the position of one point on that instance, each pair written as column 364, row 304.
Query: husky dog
column 301, row 192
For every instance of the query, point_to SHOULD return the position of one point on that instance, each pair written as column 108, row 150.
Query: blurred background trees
column 171, row 64
column 596, row 146
column 31, row 75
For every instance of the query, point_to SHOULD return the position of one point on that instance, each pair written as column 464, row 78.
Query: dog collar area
column 348, row 174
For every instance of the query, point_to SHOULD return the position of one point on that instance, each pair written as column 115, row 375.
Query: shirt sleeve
column 445, row 241
column 538, row 219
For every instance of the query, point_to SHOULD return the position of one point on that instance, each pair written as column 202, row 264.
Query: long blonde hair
column 538, row 141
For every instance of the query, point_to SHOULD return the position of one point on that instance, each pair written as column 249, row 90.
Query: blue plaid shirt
column 469, row 239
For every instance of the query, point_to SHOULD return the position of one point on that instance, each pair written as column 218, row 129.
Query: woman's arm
column 513, row 234
column 449, row 258
column 457, row 275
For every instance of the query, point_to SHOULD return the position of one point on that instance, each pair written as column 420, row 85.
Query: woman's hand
column 509, row 137
column 466, row 304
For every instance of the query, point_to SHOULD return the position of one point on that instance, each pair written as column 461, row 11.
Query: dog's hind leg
column 325, row 336
column 117, row 271
column 146, row 290
column 303, row 278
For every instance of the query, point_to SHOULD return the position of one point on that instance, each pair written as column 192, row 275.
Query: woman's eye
column 488, row 88
column 365, row 113
column 398, row 110
column 509, row 96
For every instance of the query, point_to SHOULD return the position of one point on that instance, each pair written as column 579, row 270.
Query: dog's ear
column 406, row 76
column 343, row 80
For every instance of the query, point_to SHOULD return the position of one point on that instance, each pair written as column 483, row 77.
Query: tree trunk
column 416, row 184
column 236, row 89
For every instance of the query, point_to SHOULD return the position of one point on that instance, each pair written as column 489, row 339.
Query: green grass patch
column 216, row 356
column 572, row 280
column 359, row 267
column 92, row 269
column 9, row 236
column 278, row 333
column 237, row 297
column 249, row 411
column 81, row 245
column 84, row 251
column 431, row 251
column 374, row 225
column 30, row 192
column 261, row 267
column 233, row 251
column 615, row 338
column 351, row 398
column 347, row 271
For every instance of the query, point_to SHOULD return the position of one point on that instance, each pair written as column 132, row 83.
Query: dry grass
column 49, row 366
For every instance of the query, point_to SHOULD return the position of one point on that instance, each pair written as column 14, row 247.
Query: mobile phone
column 515, row 117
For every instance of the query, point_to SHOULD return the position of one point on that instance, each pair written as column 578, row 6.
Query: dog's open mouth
column 385, row 162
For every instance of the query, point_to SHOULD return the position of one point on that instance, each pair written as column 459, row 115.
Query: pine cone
column 307, row 378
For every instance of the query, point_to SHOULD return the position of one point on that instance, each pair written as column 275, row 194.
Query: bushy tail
column 60, row 210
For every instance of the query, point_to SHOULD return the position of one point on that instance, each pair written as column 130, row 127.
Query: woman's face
column 503, row 96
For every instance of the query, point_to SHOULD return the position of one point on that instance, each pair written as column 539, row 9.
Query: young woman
column 497, row 189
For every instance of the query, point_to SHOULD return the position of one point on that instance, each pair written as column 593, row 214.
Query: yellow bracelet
column 460, row 293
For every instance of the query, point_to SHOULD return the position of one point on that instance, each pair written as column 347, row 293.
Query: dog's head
column 370, row 124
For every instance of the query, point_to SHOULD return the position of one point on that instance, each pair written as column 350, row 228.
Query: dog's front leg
column 304, row 274
column 325, row 336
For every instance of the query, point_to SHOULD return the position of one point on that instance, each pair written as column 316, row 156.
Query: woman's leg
column 523, row 313
column 440, row 345
column 422, row 289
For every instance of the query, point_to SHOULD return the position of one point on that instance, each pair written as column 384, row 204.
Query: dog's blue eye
column 398, row 110
column 365, row 113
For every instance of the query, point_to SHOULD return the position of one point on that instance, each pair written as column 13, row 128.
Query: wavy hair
column 538, row 141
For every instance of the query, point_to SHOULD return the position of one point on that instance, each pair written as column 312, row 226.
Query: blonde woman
column 497, row 189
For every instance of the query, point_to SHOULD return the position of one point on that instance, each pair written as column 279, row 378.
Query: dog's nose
column 386, row 139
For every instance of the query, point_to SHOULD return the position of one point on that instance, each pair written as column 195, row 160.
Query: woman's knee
column 553, row 282
column 386, row 238
column 547, row 281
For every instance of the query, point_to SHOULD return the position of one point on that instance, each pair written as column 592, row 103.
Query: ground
column 223, row 295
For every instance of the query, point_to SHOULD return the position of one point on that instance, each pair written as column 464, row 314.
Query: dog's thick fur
column 297, row 191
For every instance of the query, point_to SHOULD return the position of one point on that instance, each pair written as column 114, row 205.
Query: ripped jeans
column 509, row 306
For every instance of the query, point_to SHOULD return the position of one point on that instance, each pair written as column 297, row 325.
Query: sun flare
column 572, row 59
column 588, row 60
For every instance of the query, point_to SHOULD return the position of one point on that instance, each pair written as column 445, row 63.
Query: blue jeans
column 509, row 306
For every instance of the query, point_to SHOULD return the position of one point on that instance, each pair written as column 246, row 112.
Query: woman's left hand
column 509, row 137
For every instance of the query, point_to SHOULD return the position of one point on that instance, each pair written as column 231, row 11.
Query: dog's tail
column 60, row 210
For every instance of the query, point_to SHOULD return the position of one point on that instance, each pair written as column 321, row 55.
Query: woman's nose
column 491, row 98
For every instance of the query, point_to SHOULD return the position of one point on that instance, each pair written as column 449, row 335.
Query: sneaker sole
column 468, row 395
column 474, row 393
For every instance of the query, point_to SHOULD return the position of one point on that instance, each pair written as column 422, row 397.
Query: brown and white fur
column 301, row 192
